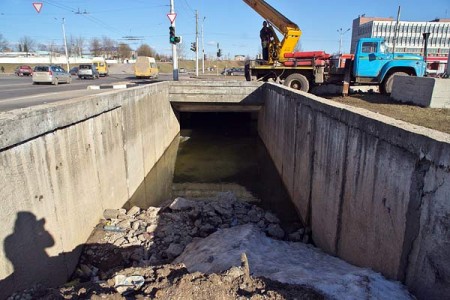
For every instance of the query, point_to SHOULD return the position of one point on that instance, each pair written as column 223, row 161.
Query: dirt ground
column 143, row 267
column 175, row 282
column 433, row 118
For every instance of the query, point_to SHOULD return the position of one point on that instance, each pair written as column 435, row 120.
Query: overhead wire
column 85, row 15
column 188, row 6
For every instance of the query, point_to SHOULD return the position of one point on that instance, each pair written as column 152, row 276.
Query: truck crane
column 290, row 30
column 372, row 63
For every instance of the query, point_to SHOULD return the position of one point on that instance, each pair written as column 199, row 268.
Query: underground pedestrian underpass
column 375, row 191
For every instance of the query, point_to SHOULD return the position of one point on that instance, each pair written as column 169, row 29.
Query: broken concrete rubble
column 151, row 239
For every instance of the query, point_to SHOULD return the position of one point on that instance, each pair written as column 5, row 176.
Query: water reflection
column 217, row 153
column 157, row 185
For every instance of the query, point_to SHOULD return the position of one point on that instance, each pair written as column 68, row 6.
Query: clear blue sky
column 232, row 24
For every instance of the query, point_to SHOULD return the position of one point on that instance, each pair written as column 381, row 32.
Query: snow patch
column 287, row 262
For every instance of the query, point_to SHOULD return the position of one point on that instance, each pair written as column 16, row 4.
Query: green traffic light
column 173, row 38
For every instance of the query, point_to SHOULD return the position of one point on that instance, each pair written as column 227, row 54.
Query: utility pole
column 203, row 48
column 396, row 30
column 65, row 45
column 196, row 42
column 341, row 34
column 174, row 47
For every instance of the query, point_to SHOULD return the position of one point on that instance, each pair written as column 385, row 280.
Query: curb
column 111, row 86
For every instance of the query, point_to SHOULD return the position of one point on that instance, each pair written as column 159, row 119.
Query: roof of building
column 440, row 20
column 363, row 19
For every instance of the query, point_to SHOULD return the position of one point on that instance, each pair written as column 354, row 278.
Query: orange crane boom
column 291, row 32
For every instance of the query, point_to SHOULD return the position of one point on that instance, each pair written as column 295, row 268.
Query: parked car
column 24, row 71
column 88, row 71
column 74, row 71
column 233, row 72
column 236, row 72
column 50, row 74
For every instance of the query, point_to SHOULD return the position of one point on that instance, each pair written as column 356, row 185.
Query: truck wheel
column 386, row 86
column 298, row 82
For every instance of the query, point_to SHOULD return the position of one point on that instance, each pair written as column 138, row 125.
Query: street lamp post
column 174, row 46
column 203, row 48
column 196, row 43
column 65, row 45
column 341, row 34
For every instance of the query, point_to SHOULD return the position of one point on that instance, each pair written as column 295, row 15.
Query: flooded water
column 217, row 152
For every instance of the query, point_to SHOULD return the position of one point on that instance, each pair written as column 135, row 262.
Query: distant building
column 239, row 57
column 409, row 37
column 448, row 64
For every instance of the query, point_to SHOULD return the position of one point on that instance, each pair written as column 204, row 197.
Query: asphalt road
column 19, row 92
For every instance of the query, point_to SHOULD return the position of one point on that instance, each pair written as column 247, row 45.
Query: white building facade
column 409, row 36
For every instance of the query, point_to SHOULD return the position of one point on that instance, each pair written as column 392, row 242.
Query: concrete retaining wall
column 61, row 165
column 216, row 96
column 376, row 191
column 422, row 91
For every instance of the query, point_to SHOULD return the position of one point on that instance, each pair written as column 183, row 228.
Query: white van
column 145, row 67
column 101, row 66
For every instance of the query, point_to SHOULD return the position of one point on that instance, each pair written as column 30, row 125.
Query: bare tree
column 145, row 50
column 124, row 51
column 96, row 48
column 71, row 45
column 51, row 48
column 181, row 50
column 79, row 45
column 3, row 43
column 163, row 57
column 26, row 44
column 109, row 46
column 42, row 47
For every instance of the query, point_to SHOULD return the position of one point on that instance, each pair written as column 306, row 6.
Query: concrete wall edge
column 429, row 144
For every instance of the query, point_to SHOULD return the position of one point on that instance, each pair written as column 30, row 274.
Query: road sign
column 37, row 6
column 172, row 17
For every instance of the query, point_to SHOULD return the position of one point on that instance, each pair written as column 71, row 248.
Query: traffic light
column 172, row 35
column 194, row 46
column 219, row 52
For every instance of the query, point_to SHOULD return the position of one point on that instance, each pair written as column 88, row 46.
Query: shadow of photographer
column 26, row 248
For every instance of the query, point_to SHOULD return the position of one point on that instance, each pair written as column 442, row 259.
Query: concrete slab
column 429, row 260
column 108, row 141
column 243, row 92
column 61, row 165
column 288, row 143
column 376, row 189
column 30, row 228
column 304, row 154
column 375, row 207
column 422, row 91
column 330, row 151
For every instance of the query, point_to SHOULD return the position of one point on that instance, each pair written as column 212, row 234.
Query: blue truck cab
column 374, row 64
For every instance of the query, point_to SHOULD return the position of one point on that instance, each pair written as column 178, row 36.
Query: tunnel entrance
column 217, row 153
